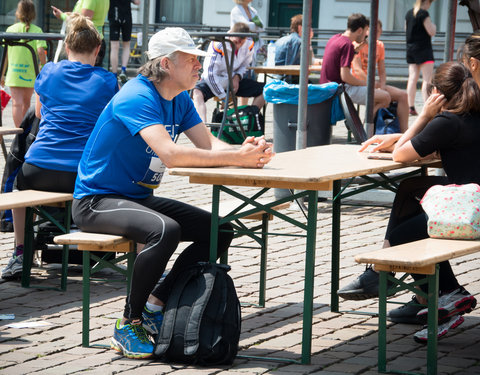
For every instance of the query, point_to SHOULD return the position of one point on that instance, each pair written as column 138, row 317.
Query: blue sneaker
column 131, row 340
column 152, row 321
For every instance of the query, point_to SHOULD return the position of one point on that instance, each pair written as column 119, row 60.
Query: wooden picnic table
column 310, row 170
column 292, row 70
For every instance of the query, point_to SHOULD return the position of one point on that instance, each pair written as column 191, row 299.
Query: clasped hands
column 256, row 152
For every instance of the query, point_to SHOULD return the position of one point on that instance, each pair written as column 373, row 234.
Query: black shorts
column 125, row 26
column 247, row 88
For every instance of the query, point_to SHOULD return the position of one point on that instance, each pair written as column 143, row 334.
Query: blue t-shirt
column 72, row 95
column 116, row 159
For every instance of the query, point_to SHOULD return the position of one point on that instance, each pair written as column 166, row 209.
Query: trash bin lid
column 281, row 92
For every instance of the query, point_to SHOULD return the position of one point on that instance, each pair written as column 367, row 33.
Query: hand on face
column 433, row 104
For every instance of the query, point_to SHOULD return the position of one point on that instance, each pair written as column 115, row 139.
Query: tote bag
column 453, row 211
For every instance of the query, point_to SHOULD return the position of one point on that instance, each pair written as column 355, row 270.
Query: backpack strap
column 166, row 331
column 192, row 328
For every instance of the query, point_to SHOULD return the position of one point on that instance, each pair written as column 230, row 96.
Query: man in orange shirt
column 359, row 70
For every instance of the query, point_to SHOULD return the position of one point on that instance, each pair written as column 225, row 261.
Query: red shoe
column 413, row 112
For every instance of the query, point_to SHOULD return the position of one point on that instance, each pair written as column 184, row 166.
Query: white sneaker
column 450, row 304
column 13, row 268
column 422, row 336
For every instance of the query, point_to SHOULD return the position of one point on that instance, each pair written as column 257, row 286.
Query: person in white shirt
column 214, row 79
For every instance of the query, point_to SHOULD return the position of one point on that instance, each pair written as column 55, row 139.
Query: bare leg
column 199, row 103
column 427, row 73
column 125, row 53
column 243, row 101
column 401, row 97
column 21, row 97
column 114, row 47
column 259, row 101
column 381, row 99
column 413, row 74
column 18, row 215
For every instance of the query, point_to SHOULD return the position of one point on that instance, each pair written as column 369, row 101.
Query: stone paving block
column 346, row 368
column 20, row 369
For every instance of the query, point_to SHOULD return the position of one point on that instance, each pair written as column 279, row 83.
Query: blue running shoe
column 152, row 321
column 131, row 340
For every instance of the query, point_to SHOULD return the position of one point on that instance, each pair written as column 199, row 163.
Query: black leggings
column 408, row 223
column 160, row 224
column 32, row 177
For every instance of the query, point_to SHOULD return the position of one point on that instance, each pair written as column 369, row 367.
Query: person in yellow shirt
column 97, row 11
column 21, row 73
column 359, row 70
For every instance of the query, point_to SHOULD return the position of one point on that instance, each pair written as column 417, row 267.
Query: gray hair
column 153, row 70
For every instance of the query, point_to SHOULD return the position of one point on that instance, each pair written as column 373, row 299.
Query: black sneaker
column 364, row 287
column 406, row 313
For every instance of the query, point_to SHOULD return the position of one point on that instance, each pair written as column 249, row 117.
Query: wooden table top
column 293, row 70
column 31, row 198
column 313, row 168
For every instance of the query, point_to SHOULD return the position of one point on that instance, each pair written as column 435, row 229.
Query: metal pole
column 146, row 12
column 304, row 64
column 372, row 52
column 450, row 32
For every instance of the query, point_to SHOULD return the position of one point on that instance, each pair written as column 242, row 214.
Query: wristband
column 63, row 16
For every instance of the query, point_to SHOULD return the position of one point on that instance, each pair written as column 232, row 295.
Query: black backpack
column 202, row 318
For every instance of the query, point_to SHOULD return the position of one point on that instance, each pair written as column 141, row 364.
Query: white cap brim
column 193, row 51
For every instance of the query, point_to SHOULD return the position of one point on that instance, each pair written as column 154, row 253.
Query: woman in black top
column 447, row 127
column 420, row 30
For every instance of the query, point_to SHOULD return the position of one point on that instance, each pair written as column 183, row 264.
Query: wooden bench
column 420, row 257
column 89, row 242
column 258, row 233
column 34, row 201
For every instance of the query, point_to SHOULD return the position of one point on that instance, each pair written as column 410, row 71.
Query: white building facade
column 327, row 14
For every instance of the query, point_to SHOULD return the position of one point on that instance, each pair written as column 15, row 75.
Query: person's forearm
column 419, row 124
column 219, row 156
column 41, row 56
column 347, row 77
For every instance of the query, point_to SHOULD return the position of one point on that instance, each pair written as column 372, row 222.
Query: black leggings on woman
column 32, row 177
column 160, row 224
column 408, row 223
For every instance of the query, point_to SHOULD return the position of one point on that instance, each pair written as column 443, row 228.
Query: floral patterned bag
column 453, row 211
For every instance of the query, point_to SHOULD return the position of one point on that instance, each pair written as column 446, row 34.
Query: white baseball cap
column 172, row 39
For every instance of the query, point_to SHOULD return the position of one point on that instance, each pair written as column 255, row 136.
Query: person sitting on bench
column 215, row 76
column 337, row 61
column 287, row 48
column 71, row 94
column 448, row 127
column 114, row 189
column 359, row 70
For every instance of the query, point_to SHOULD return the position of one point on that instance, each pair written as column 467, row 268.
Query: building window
column 179, row 11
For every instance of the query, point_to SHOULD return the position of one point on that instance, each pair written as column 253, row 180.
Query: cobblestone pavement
column 342, row 343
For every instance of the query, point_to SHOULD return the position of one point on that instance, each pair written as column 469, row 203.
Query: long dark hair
column 471, row 47
column 455, row 81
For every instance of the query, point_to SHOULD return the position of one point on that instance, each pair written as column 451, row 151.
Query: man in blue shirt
column 287, row 48
column 124, row 160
